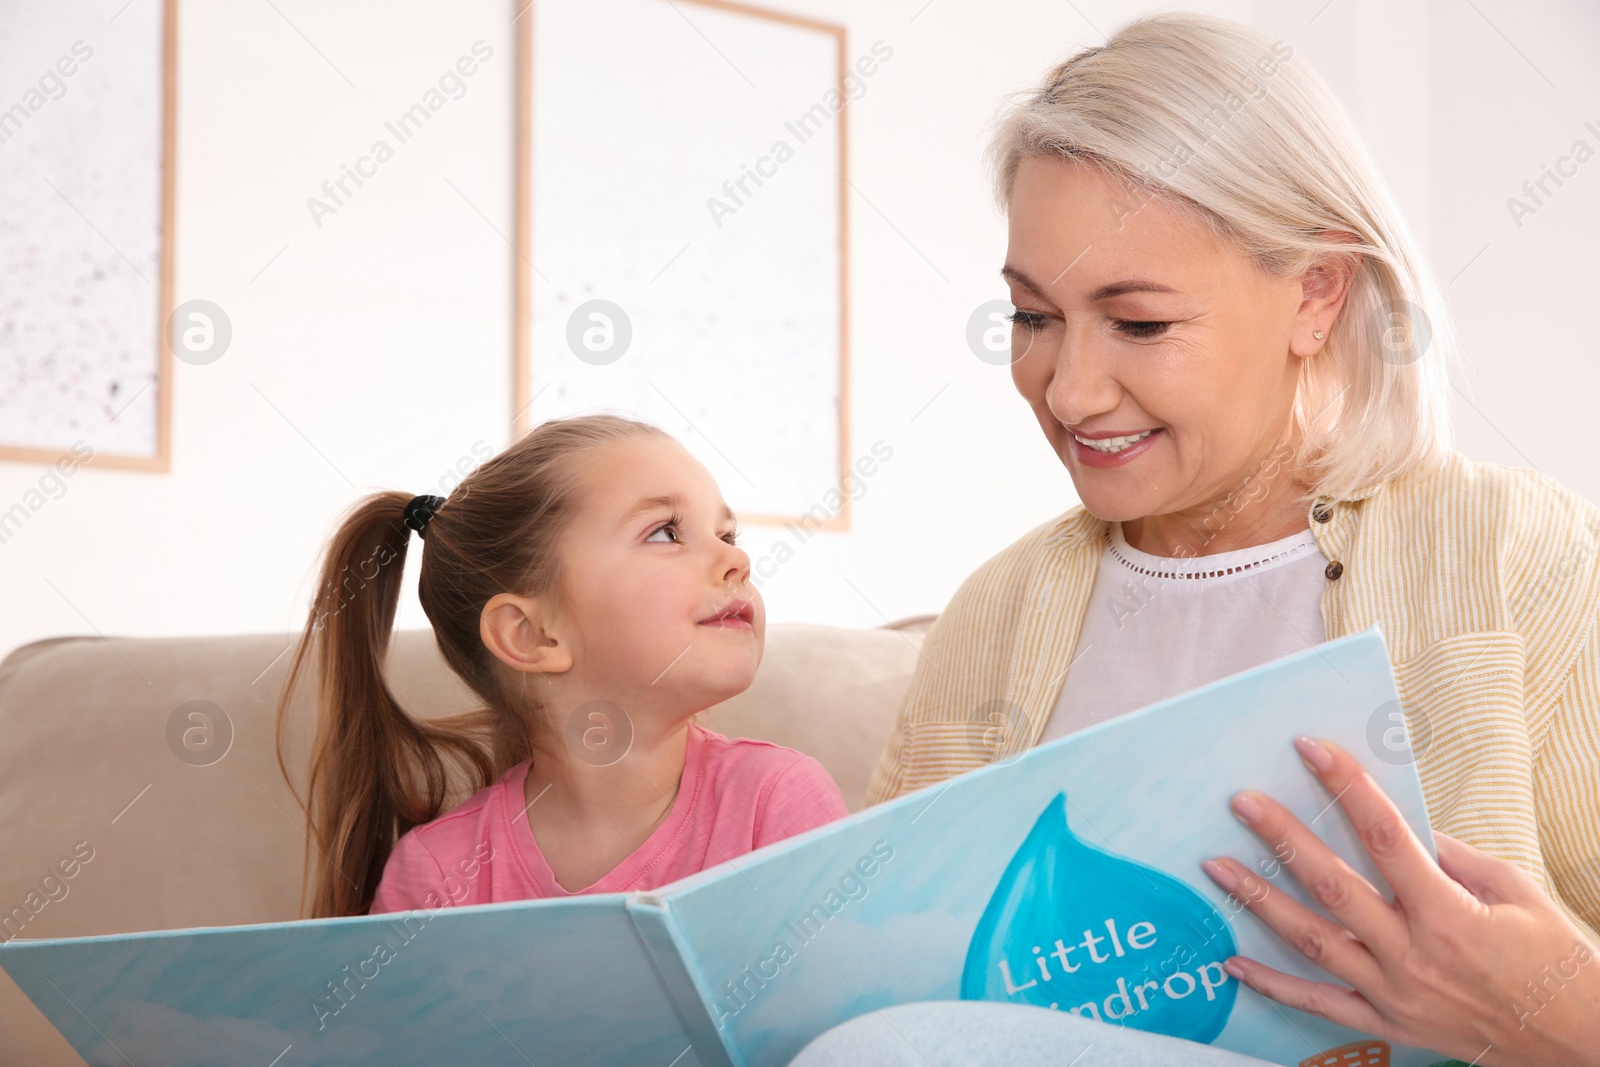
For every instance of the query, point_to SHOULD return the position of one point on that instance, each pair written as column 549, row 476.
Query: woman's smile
column 1114, row 451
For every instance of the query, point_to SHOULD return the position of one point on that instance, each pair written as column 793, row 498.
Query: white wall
column 374, row 351
column 1525, row 304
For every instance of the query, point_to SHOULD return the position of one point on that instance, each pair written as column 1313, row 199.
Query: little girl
column 585, row 583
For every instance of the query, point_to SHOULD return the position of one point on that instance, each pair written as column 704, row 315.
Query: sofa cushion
column 147, row 767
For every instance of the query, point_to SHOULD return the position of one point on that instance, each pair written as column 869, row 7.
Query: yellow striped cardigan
column 1484, row 579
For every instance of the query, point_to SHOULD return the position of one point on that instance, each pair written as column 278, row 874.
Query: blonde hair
column 1217, row 119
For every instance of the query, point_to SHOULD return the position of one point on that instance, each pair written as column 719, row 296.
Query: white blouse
column 1157, row 626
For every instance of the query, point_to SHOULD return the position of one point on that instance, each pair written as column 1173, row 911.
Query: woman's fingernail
column 1314, row 753
column 1234, row 969
column 1220, row 875
column 1248, row 807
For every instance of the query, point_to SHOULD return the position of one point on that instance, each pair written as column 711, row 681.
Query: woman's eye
column 732, row 537
column 1031, row 321
column 673, row 526
column 1142, row 331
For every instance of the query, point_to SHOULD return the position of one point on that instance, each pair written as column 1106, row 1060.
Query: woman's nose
column 1079, row 385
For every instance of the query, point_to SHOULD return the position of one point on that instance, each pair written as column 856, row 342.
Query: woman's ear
column 1324, row 286
column 520, row 632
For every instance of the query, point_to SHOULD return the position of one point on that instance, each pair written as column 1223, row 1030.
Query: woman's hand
column 1472, row 958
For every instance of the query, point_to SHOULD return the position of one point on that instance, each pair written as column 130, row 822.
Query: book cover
column 1066, row 877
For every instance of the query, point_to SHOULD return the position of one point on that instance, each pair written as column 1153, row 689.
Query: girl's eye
column 675, row 524
column 1142, row 331
column 1031, row 321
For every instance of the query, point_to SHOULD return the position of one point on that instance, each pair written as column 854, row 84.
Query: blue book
column 1066, row 877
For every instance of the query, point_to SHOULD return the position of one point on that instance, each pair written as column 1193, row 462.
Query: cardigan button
column 1322, row 513
column 1333, row 570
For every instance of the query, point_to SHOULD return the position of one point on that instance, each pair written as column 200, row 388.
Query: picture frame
column 778, row 440
column 89, row 365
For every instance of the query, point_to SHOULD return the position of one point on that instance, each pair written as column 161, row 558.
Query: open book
column 1066, row 877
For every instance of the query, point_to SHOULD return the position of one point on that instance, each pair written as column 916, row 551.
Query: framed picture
column 87, row 104
column 682, row 235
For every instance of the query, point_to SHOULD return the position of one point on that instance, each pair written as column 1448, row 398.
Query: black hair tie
column 420, row 510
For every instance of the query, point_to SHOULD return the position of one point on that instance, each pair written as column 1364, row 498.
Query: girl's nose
column 737, row 568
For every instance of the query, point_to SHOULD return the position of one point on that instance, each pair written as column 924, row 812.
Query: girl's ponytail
column 375, row 772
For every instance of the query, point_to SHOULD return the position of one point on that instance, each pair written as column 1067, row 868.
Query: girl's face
column 1131, row 318
column 659, row 607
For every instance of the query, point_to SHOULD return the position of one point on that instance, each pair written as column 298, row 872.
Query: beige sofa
column 90, row 774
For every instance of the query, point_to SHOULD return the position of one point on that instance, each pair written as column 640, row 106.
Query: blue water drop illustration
column 1075, row 928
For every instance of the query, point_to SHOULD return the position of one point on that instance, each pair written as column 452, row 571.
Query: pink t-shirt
column 735, row 795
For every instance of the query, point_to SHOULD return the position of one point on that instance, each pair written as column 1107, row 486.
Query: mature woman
column 1229, row 338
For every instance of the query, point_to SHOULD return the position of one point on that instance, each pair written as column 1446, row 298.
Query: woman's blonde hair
column 1218, row 119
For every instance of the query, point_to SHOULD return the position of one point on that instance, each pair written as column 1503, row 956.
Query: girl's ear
column 514, row 629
